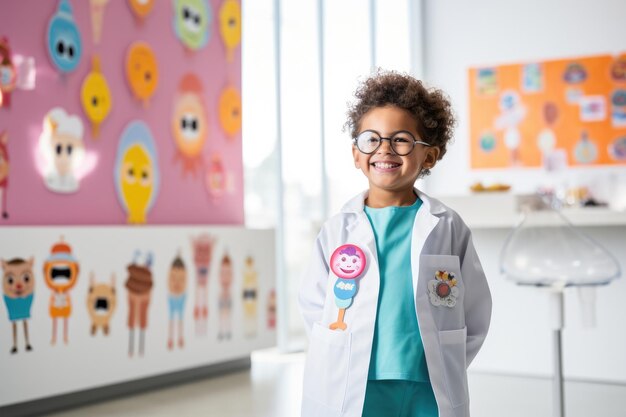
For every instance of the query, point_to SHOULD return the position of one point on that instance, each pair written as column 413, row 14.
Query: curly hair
column 430, row 108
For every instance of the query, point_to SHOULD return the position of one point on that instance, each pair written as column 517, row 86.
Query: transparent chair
column 546, row 250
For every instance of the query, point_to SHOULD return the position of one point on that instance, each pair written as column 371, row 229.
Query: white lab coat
column 337, row 362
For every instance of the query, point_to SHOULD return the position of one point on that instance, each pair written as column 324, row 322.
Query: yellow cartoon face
column 230, row 111
column 60, row 275
column 96, row 96
column 136, row 178
column 230, row 24
column 142, row 70
column 189, row 124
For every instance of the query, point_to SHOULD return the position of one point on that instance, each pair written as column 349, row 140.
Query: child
column 395, row 300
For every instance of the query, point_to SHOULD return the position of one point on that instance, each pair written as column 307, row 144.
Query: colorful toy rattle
column 348, row 263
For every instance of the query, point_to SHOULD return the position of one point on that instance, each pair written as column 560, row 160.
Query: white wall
column 464, row 34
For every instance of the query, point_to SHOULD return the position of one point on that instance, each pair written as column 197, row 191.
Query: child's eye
column 400, row 140
column 354, row 261
column 343, row 259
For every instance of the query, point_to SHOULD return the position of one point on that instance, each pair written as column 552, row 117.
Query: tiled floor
column 272, row 389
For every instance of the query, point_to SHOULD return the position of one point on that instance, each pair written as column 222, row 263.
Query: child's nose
column 385, row 147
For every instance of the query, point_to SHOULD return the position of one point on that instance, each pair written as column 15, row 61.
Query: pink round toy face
column 347, row 261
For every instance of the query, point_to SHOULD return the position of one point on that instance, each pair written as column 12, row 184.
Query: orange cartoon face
column 60, row 275
column 189, row 124
column 230, row 111
column 142, row 70
column 141, row 8
column 61, row 268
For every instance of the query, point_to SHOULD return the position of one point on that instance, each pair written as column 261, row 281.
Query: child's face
column 385, row 170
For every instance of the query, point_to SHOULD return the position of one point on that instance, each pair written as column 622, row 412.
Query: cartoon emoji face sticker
column 18, row 279
column 348, row 261
column 230, row 26
column 142, row 71
column 192, row 22
column 230, row 111
column 141, row 8
column 64, row 41
column 95, row 96
column 61, row 146
column 136, row 171
column 189, row 122
column 61, row 269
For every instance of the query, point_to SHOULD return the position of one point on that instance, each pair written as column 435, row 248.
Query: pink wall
column 181, row 200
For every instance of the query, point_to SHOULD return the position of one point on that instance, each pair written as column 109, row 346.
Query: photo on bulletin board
column 70, row 89
column 532, row 114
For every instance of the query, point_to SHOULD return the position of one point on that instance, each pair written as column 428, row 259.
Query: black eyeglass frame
column 355, row 141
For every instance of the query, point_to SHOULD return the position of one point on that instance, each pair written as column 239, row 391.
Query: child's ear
column 432, row 155
column 356, row 154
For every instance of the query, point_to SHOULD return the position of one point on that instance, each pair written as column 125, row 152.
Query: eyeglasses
column 402, row 142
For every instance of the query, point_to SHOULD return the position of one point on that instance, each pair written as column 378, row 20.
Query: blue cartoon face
column 64, row 45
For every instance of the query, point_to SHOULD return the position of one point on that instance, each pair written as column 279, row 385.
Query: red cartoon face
column 348, row 261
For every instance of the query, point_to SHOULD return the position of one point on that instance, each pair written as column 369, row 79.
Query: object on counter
column 478, row 187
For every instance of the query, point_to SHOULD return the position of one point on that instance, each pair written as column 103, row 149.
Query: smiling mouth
column 385, row 165
column 347, row 271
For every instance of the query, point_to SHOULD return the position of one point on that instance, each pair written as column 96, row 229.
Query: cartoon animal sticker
column 60, row 272
column 347, row 262
column 176, row 297
column 101, row 303
column 139, row 286
column 250, row 292
column 230, row 111
column 64, row 41
column 532, row 78
column 62, row 149
column 202, row 246
column 618, row 108
column 97, row 18
column 18, row 287
column 4, row 173
column 443, row 290
column 271, row 310
column 141, row 8
column 136, row 172
column 189, row 123
column 8, row 73
column 96, row 97
column 226, row 298
column 142, row 71
column 230, row 26
column 192, row 22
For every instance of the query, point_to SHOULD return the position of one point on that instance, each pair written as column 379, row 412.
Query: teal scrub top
column 397, row 350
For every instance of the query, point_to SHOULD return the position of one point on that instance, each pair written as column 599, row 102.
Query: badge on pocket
column 443, row 290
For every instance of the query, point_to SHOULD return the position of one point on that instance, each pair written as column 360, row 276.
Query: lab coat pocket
column 326, row 367
column 452, row 345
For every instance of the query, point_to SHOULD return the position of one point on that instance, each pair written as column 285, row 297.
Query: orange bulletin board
column 569, row 112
